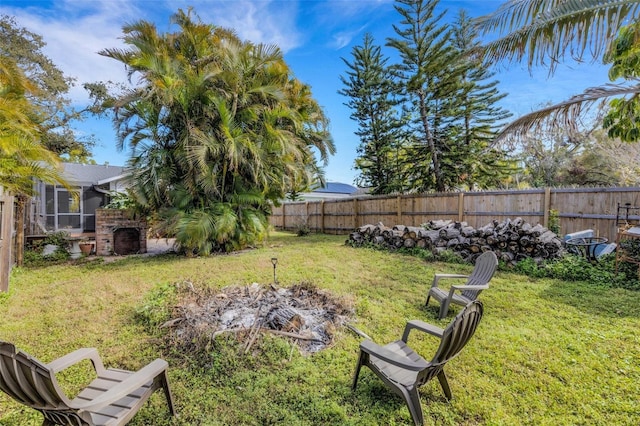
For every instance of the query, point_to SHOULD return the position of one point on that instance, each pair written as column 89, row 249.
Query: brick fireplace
column 119, row 232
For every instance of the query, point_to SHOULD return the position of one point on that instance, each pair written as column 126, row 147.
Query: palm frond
column 543, row 31
column 565, row 114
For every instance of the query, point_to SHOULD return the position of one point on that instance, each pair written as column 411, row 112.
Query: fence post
column 399, row 207
column 546, row 206
column 284, row 217
column 460, row 206
column 322, row 216
column 6, row 236
column 355, row 213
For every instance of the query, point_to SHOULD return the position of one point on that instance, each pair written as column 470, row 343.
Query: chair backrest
column 486, row 265
column 454, row 338
column 32, row 383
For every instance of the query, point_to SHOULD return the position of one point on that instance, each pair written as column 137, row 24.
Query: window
column 63, row 212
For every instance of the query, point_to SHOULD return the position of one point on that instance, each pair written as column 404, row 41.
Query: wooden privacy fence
column 6, row 240
column 576, row 209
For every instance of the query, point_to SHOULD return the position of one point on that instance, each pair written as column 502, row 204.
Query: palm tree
column 218, row 129
column 544, row 32
column 23, row 158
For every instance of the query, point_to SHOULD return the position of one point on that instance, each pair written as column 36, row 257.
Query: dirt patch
column 302, row 313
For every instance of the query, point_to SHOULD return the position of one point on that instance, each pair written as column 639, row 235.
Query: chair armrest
column 421, row 326
column 470, row 287
column 127, row 386
column 391, row 357
column 75, row 357
column 438, row 277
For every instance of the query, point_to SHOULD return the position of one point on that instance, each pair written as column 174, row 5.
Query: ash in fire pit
column 303, row 313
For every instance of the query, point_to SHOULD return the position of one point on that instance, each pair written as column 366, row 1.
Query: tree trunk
column 435, row 158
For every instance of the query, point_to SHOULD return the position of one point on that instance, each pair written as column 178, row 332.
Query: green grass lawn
column 547, row 352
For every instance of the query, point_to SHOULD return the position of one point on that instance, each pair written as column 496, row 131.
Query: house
column 331, row 190
column 55, row 209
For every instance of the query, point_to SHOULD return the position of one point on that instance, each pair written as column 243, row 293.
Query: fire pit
column 302, row 313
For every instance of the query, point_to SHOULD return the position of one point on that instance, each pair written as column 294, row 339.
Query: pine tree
column 368, row 85
column 479, row 115
column 429, row 73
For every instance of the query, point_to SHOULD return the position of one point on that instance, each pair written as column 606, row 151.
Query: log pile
column 511, row 240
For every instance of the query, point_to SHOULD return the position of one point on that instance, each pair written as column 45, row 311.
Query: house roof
column 90, row 173
column 336, row 188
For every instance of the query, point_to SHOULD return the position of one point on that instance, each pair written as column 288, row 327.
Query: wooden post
column 355, row 213
column 546, row 206
column 460, row 206
column 306, row 215
column 399, row 207
column 6, row 235
column 322, row 216
column 20, row 203
column 284, row 217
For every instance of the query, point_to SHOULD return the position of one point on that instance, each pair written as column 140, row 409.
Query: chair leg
column 412, row 399
column 428, row 297
column 167, row 393
column 444, row 308
column 442, row 378
column 361, row 360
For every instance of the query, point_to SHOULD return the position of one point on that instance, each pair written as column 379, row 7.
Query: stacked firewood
column 511, row 240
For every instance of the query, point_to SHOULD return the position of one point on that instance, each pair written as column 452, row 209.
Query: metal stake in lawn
column 274, row 260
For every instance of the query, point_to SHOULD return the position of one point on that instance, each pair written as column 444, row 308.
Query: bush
column 449, row 256
column 570, row 267
column 60, row 239
column 576, row 268
column 302, row 230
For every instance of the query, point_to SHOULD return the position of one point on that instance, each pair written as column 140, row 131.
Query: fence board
column 577, row 209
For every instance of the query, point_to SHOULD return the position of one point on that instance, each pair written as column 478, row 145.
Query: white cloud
column 73, row 36
column 343, row 38
column 269, row 22
column 76, row 30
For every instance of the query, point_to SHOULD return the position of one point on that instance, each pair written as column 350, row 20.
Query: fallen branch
column 358, row 332
column 292, row 335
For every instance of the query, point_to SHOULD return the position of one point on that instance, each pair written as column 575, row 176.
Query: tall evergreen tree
column 368, row 85
column 479, row 115
column 428, row 74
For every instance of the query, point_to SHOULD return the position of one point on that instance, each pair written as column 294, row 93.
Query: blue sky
column 313, row 34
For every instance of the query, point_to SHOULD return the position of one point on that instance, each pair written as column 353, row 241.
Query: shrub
column 60, row 239
column 449, row 256
column 302, row 230
column 576, row 268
